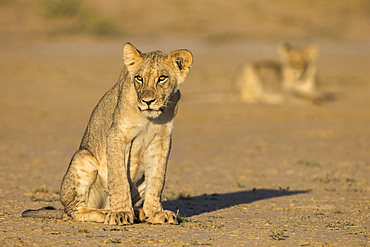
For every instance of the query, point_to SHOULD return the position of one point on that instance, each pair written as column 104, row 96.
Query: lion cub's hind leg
column 75, row 191
column 248, row 86
column 90, row 215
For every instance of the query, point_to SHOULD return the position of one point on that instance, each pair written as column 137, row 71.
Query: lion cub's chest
column 141, row 151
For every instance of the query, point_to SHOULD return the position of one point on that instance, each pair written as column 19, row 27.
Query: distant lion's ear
column 284, row 50
column 181, row 59
column 132, row 57
column 312, row 51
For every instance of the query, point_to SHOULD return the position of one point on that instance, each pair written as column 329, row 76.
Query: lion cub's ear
column 132, row 57
column 181, row 59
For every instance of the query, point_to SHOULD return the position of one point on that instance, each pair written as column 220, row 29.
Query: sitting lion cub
column 273, row 82
column 123, row 155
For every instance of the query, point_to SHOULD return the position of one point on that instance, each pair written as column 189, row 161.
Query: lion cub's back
column 270, row 75
column 258, row 79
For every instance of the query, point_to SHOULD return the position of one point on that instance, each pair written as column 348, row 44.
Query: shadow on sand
column 191, row 206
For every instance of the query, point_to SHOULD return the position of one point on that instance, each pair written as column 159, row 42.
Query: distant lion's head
column 155, row 76
column 298, row 60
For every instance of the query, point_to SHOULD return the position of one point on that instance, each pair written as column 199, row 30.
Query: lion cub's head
column 297, row 61
column 155, row 76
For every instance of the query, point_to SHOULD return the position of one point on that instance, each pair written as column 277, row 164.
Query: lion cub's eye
column 162, row 79
column 139, row 79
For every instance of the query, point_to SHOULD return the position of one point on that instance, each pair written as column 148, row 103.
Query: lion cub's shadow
column 191, row 206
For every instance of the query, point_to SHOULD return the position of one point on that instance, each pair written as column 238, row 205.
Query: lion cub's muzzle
column 149, row 105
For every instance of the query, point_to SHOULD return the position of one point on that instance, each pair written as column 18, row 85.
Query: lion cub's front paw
column 139, row 215
column 119, row 218
column 163, row 217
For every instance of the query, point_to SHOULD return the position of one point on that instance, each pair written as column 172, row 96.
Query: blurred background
column 227, row 32
column 211, row 22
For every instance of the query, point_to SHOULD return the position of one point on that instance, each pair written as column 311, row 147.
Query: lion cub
column 122, row 159
column 273, row 82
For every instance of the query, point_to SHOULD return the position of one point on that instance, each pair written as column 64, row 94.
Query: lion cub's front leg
column 120, row 206
column 155, row 171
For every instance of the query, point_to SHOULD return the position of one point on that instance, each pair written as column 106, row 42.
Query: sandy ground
column 295, row 175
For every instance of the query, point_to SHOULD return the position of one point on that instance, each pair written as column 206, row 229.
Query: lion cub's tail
column 45, row 212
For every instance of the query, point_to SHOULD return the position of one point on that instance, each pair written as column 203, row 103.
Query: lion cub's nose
column 148, row 101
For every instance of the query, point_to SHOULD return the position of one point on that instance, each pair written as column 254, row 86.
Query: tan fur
column 273, row 82
column 123, row 155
